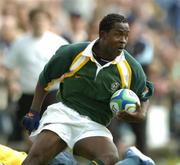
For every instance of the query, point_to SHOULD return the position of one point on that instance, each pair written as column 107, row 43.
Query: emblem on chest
column 114, row 86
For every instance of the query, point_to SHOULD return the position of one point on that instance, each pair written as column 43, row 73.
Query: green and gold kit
column 86, row 86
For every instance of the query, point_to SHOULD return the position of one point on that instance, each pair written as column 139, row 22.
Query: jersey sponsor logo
column 114, row 86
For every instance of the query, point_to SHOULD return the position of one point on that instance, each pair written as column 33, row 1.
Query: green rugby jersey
column 86, row 86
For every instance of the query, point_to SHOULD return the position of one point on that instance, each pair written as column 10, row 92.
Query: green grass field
column 168, row 161
column 165, row 156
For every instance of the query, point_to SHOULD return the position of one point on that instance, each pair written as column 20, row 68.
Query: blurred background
column 153, row 40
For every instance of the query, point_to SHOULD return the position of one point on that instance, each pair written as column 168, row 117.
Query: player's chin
column 119, row 50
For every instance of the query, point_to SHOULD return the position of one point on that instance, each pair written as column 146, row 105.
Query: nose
column 123, row 39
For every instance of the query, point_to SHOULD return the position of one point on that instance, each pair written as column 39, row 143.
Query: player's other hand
column 31, row 120
column 137, row 116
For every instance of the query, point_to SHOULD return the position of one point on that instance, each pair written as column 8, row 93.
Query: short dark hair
column 36, row 11
column 109, row 20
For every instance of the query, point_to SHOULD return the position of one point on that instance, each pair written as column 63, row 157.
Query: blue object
column 134, row 152
column 64, row 158
column 31, row 120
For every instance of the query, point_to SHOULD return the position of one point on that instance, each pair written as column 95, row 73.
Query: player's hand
column 31, row 120
column 136, row 116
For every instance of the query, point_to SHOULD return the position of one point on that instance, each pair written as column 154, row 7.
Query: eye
column 126, row 34
column 119, row 33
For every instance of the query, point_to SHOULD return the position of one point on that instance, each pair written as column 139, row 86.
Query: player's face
column 115, row 40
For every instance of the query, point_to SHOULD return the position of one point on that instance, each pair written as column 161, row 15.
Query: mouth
column 120, row 48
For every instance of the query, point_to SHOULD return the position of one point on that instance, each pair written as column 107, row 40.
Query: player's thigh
column 95, row 147
column 47, row 145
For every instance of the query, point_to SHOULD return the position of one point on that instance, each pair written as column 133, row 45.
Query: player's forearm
column 38, row 99
column 144, row 106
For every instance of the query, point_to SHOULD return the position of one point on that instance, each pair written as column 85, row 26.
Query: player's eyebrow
column 123, row 30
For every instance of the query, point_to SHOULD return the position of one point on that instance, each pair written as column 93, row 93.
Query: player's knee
column 110, row 159
column 34, row 159
column 113, row 159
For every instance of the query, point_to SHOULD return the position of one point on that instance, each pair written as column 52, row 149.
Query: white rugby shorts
column 69, row 125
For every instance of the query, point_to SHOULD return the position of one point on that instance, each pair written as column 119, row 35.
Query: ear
column 102, row 34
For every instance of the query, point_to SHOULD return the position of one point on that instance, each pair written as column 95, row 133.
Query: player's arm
column 137, row 116
column 144, row 89
column 38, row 99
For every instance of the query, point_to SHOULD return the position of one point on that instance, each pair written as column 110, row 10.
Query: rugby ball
column 124, row 100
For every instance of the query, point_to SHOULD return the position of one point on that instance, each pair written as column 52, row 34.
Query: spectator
column 29, row 54
column 77, row 31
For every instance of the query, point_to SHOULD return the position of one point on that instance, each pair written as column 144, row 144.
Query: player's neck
column 98, row 52
column 101, row 51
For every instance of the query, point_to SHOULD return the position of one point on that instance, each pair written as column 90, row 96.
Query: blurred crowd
column 153, row 40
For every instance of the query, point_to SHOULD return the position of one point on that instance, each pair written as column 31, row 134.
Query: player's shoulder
column 131, row 60
column 134, row 64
